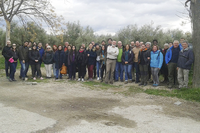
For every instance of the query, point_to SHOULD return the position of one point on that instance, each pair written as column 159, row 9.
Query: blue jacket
column 92, row 57
column 59, row 58
column 186, row 58
column 168, row 55
column 41, row 52
column 156, row 59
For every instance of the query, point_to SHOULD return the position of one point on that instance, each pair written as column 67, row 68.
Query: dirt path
column 71, row 107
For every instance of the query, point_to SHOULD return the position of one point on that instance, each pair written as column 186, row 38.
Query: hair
column 156, row 47
column 71, row 51
column 110, row 39
column 148, row 43
column 49, row 47
column 176, row 41
column 155, row 40
column 125, row 47
column 103, row 41
column 59, row 46
column 185, row 42
column 105, row 50
column 166, row 44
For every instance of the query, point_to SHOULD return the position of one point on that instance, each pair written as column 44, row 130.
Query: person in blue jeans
column 98, row 64
column 13, row 65
column 127, row 61
column 59, row 61
column 119, row 66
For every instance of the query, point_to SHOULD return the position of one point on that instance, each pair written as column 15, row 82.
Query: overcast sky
column 108, row 16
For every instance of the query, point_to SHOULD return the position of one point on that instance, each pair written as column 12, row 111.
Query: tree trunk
column 195, row 9
column 7, row 30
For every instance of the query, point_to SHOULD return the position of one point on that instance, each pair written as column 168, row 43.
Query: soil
column 70, row 107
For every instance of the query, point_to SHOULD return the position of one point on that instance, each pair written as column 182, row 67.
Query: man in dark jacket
column 24, row 60
column 6, row 53
column 143, row 59
column 185, row 60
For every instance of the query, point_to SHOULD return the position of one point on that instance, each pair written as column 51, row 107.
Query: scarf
column 126, row 55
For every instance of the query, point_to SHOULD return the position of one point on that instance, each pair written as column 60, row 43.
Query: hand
column 177, row 68
column 36, row 60
column 63, row 64
column 88, row 55
column 158, row 68
column 23, row 61
column 148, row 58
column 126, row 62
column 167, row 64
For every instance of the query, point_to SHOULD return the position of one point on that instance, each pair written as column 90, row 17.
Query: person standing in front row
column 119, row 66
column 156, row 64
column 136, row 51
column 171, row 59
column 112, row 53
column 91, row 60
column 48, row 61
column 143, row 59
column 103, row 56
column 72, row 63
column 127, row 60
column 185, row 60
column 55, row 48
column 98, row 51
column 59, row 61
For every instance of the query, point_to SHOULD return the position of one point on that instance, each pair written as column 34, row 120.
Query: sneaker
column 98, row 78
column 130, row 81
column 20, row 77
column 90, row 79
column 10, row 79
column 14, row 80
column 141, row 84
column 83, row 80
column 79, row 79
column 155, row 85
column 145, row 84
column 56, row 78
column 111, row 82
column 34, row 78
column 126, row 82
column 41, row 78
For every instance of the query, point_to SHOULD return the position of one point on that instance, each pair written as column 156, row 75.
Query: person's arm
column 166, row 57
column 123, row 57
column 131, row 57
column 160, row 60
column 191, row 58
column 30, row 56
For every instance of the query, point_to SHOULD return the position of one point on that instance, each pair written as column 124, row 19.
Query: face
column 60, row 48
column 81, row 48
column 181, row 40
column 170, row 44
column 90, row 46
column 69, row 48
column 8, row 43
column 132, row 43
column 185, row 45
column 103, row 43
column 119, row 44
column 155, row 48
column 103, row 48
column 109, row 42
column 165, row 47
column 54, row 47
column 29, row 44
column 127, row 47
column 83, row 45
column 34, row 48
column 46, row 44
column 40, row 45
column 48, row 49
column 93, row 43
column 97, row 46
column 137, row 44
column 114, row 43
column 143, row 47
column 176, row 44
column 147, row 46
column 66, row 44
column 73, row 48
column 155, row 43
column 14, row 46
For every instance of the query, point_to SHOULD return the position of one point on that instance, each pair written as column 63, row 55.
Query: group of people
column 138, row 61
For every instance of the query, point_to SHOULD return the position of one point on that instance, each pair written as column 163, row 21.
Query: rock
column 34, row 83
column 178, row 103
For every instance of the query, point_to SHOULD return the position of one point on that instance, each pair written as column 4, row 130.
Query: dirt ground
column 73, row 107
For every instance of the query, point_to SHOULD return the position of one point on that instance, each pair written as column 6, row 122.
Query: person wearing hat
column 34, row 58
column 13, row 63
column 48, row 58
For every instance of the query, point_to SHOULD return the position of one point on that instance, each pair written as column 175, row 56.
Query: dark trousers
column 95, row 70
column 144, row 73
column 136, row 66
column 149, row 72
column 90, row 71
column 35, row 68
column 172, row 73
column 7, row 66
column 103, row 69
column 13, row 67
column 72, row 70
column 81, row 71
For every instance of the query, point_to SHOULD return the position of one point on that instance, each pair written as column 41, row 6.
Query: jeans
column 103, row 68
column 98, row 64
column 136, row 66
column 119, row 71
column 54, row 69
column 7, row 65
column 13, row 67
column 57, row 73
column 72, row 70
column 155, row 76
column 127, row 70
column 24, row 69
column 36, row 68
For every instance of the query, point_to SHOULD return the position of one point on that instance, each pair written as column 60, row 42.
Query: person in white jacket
column 112, row 53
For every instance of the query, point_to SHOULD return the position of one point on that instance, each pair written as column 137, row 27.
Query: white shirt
column 112, row 52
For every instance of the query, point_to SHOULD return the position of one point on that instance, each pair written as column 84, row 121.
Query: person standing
column 13, row 65
column 59, row 61
column 98, row 50
column 72, row 63
column 156, row 62
column 6, row 54
column 66, row 46
column 112, row 53
column 41, row 51
column 34, row 57
column 127, row 60
column 136, row 51
column 81, row 62
column 164, row 69
column 24, row 60
column 185, row 61
column 103, row 56
column 54, row 64
column 48, row 61
column 143, row 59
column 91, row 60
column 171, row 59
column 148, row 46
column 132, row 45
column 66, row 58
column 109, row 42
column 119, row 69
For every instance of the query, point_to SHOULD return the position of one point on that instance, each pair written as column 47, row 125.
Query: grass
column 98, row 85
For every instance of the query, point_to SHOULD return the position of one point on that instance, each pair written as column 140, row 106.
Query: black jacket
column 15, row 55
column 130, row 58
column 7, row 52
column 34, row 55
column 23, row 53
column 66, row 57
column 48, row 57
column 186, row 58
column 145, row 54
column 82, row 58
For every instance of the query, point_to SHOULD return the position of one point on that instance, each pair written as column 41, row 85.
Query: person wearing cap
column 34, row 57
column 13, row 65
column 48, row 60
column 6, row 55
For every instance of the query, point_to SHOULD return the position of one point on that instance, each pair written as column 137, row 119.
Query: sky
column 109, row 16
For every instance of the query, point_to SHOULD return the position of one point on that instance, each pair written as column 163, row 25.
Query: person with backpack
column 127, row 61
column 81, row 63
column 48, row 61
column 72, row 63
column 156, row 62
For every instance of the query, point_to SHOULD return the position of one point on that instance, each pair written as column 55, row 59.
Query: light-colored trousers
column 48, row 69
column 54, row 69
column 183, row 75
column 110, row 69
column 154, row 72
